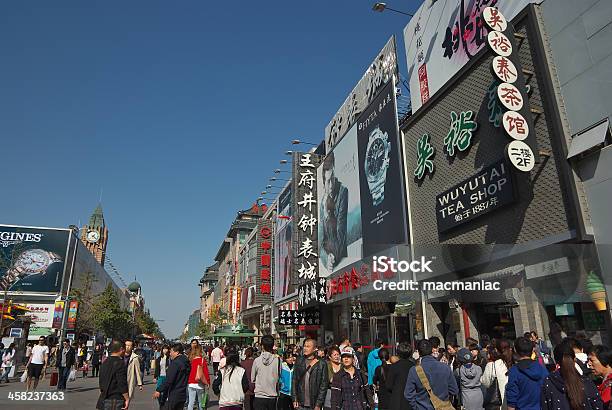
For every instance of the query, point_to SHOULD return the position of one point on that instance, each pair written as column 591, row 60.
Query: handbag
column 204, row 400
column 54, row 379
column 492, row 397
column 216, row 385
column 72, row 375
column 200, row 374
column 436, row 402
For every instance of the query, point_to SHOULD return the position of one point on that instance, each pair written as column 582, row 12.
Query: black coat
column 380, row 379
column 69, row 357
column 553, row 395
column 177, row 379
column 397, row 375
column 319, row 382
column 157, row 371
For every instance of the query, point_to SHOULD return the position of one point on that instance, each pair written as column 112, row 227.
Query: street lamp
column 278, row 171
column 298, row 142
column 289, row 153
column 279, row 179
column 283, row 161
column 380, row 7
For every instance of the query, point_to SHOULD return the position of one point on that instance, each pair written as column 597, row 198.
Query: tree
column 109, row 317
column 146, row 323
column 86, row 298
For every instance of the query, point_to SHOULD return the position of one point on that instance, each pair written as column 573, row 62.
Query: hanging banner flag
column 72, row 315
column 58, row 314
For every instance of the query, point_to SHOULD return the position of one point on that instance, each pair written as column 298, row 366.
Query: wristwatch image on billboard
column 376, row 164
column 30, row 262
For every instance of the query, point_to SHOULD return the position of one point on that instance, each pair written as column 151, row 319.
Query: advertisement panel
column 382, row 70
column 41, row 314
column 340, row 236
column 442, row 37
column 33, row 258
column 361, row 189
column 72, row 315
column 283, row 285
column 58, row 314
column 381, row 179
column 252, row 292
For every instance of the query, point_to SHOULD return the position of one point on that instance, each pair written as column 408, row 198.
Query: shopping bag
column 54, row 379
column 72, row 375
column 204, row 400
column 24, row 376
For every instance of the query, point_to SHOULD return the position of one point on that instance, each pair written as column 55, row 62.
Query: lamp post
column 298, row 142
column 380, row 7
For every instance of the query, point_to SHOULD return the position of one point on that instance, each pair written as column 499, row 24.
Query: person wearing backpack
column 430, row 383
column 469, row 379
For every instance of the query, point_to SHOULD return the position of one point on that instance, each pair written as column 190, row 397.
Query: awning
column 589, row 138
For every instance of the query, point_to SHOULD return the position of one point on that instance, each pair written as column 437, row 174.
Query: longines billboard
column 32, row 259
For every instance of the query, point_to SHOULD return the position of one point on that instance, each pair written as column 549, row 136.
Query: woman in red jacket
column 199, row 379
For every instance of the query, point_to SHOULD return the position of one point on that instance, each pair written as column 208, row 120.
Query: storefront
column 490, row 212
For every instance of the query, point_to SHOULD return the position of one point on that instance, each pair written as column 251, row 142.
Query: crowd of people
column 525, row 374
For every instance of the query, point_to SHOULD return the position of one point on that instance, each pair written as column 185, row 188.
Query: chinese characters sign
column 445, row 50
column 305, row 250
column 299, row 318
column 480, row 194
column 460, row 133
column 521, row 156
column 312, row 293
column 378, row 74
column 264, row 255
column 425, row 153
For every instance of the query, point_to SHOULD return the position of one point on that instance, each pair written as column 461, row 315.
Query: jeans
column 63, row 373
column 5, row 373
column 195, row 396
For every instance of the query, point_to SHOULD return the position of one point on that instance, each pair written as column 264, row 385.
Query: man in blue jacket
column 525, row 378
column 439, row 375
column 373, row 360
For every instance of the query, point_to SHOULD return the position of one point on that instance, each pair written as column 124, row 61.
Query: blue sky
column 178, row 111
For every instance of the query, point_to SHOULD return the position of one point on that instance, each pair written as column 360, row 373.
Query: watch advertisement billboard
column 381, row 174
column 442, row 37
column 283, row 285
column 340, row 237
column 361, row 189
column 382, row 70
column 32, row 259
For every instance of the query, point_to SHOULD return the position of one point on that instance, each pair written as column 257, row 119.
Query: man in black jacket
column 177, row 378
column 113, row 380
column 397, row 376
column 64, row 362
column 309, row 369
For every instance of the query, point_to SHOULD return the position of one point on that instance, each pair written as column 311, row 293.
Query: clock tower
column 95, row 235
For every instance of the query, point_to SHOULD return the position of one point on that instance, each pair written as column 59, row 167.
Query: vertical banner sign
column 305, row 229
column 312, row 293
column 264, row 254
column 283, row 283
column 72, row 315
column 58, row 314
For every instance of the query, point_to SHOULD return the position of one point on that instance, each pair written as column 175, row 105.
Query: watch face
column 93, row 236
column 32, row 261
column 375, row 157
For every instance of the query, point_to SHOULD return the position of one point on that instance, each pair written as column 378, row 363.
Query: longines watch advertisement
column 32, row 259
column 380, row 174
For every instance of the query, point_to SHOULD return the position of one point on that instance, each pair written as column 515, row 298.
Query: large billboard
column 379, row 73
column 283, row 285
column 32, row 259
column 442, row 37
column 361, row 189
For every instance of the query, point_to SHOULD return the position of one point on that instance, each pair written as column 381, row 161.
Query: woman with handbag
column 495, row 376
column 199, row 379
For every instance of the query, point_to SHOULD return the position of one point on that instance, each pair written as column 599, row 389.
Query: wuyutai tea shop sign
column 486, row 191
